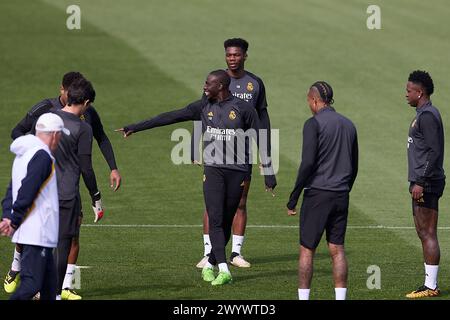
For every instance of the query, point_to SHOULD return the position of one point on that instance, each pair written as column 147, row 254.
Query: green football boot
column 222, row 278
column 69, row 294
column 208, row 274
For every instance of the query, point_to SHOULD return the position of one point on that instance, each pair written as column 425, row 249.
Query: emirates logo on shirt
column 244, row 96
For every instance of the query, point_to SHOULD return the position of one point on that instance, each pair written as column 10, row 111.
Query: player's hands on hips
column 125, row 131
column 270, row 182
column 417, row 192
column 97, row 206
column 115, row 179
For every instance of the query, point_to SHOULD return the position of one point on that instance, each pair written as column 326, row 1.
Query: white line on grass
column 249, row 226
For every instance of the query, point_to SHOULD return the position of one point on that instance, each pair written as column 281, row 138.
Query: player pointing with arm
column 225, row 120
column 250, row 88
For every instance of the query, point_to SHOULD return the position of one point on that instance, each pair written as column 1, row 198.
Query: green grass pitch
column 146, row 57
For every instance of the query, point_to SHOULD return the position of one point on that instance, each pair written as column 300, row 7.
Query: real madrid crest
column 249, row 86
column 210, row 115
column 82, row 118
column 232, row 115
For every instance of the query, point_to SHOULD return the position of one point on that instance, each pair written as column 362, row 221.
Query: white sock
column 15, row 265
column 238, row 242
column 69, row 276
column 223, row 267
column 431, row 272
column 340, row 293
column 303, row 294
column 206, row 244
column 208, row 265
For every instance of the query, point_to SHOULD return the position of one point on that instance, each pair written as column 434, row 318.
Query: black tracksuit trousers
column 222, row 189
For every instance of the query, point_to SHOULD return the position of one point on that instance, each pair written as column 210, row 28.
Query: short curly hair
column 422, row 78
column 69, row 78
column 236, row 42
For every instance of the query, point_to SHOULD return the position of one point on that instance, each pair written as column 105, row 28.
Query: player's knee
column 307, row 250
column 426, row 235
column 336, row 251
column 420, row 234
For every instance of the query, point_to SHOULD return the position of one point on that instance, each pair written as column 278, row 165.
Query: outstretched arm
column 190, row 112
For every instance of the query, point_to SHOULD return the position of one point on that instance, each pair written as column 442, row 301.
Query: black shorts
column 69, row 218
column 432, row 191
column 323, row 211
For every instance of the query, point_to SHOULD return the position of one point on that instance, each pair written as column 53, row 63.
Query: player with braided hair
column 327, row 173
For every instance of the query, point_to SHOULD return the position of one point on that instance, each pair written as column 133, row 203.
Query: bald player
column 226, row 121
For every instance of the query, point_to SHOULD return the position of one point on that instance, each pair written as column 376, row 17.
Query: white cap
column 50, row 122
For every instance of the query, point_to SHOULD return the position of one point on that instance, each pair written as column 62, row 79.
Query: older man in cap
column 31, row 208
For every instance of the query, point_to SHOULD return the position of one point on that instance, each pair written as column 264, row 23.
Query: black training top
column 251, row 88
column 329, row 154
column 71, row 149
column 426, row 146
column 224, row 127
column 91, row 116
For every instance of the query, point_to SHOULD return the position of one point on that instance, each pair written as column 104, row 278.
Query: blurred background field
column 147, row 57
